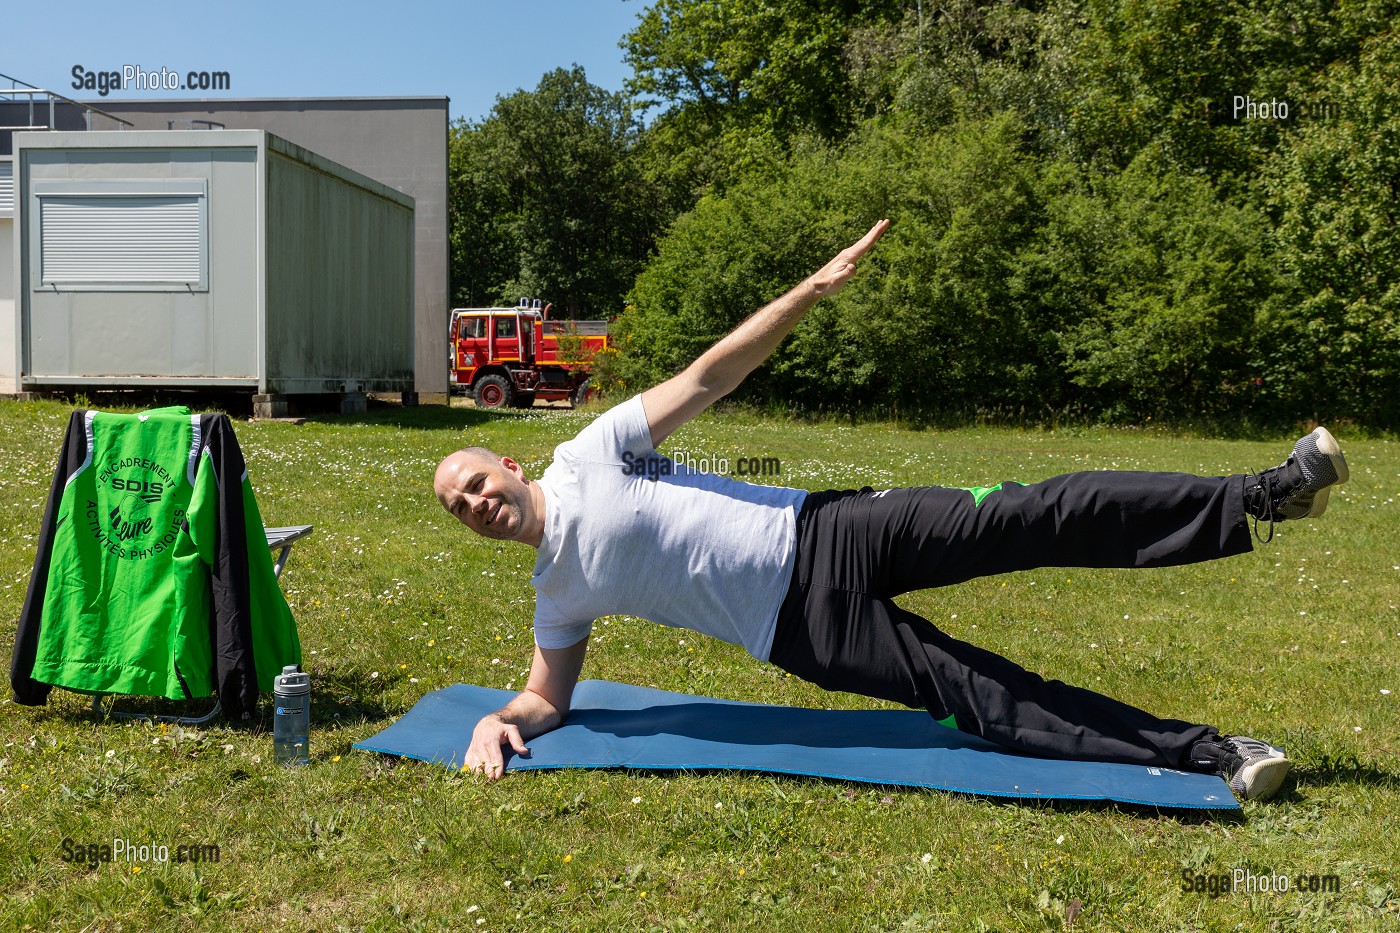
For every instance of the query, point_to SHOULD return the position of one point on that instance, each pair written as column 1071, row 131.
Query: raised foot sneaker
column 1298, row 487
column 1254, row 770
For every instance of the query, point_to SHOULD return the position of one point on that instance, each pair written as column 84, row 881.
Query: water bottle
column 291, row 718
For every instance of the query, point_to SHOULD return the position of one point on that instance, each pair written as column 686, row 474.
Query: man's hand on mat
column 487, row 751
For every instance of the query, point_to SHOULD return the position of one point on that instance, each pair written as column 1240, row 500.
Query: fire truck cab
column 513, row 356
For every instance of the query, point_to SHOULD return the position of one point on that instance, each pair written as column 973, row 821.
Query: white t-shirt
column 630, row 532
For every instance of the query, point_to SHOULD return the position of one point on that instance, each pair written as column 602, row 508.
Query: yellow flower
column 568, row 858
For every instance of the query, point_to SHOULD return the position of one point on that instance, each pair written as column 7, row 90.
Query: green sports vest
column 153, row 576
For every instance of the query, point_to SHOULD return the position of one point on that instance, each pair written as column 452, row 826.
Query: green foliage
column 1336, row 348
column 1152, row 76
column 963, row 58
column 480, row 234
column 546, row 201
column 1170, row 280
column 943, row 328
column 1083, row 224
column 717, row 264
column 1004, row 287
column 736, row 82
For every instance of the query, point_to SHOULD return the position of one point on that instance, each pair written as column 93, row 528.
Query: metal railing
column 51, row 98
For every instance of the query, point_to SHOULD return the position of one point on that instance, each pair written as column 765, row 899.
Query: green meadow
column 1296, row 642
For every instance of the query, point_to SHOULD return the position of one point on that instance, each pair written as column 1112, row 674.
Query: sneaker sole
column 1262, row 779
column 1328, row 446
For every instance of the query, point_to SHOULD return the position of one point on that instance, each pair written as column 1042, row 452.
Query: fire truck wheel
column 580, row 395
column 493, row 392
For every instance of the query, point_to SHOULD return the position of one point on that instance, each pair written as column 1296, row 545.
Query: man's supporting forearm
column 531, row 713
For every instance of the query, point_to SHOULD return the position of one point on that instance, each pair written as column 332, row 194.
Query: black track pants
column 840, row 628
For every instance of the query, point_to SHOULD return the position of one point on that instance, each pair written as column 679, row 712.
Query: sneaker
column 1254, row 770
column 1298, row 487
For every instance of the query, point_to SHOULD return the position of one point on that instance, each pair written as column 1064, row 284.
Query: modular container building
column 228, row 259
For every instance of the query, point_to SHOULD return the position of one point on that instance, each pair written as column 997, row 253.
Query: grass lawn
column 1296, row 642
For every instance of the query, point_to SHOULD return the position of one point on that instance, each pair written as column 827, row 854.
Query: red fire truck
column 513, row 356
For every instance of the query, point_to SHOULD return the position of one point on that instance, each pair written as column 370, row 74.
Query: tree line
column 1104, row 209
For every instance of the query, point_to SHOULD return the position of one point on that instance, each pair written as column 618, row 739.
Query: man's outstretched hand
column 833, row 276
column 487, row 753
column 538, row 708
column 719, row 370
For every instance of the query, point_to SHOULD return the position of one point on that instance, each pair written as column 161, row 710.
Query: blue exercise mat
column 619, row 726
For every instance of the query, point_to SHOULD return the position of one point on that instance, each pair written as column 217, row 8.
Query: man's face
column 491, row 497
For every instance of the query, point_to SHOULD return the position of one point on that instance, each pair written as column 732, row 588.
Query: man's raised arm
column 719, row 370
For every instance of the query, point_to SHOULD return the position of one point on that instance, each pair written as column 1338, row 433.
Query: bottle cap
column 292, row 681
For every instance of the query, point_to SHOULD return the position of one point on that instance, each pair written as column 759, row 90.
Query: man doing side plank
column 807, row 581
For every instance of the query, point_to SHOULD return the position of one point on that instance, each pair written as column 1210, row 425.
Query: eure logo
column 131, row 518
column 130, row 522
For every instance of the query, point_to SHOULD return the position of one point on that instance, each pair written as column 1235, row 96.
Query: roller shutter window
column 124, row 239
column 7, row 189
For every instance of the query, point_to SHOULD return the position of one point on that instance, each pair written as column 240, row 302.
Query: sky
column 471, row 51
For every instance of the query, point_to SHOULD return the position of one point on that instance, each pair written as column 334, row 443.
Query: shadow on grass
column 235, row 404
column 328, row 707
column 1186, row 816
column 349, row 695
column 338, row 697
column 1341, row 770
column 852, row 790
column 433, row 417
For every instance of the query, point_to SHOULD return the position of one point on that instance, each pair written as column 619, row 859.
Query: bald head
column 491, row 495
column 451, row 467
column 481, row 453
